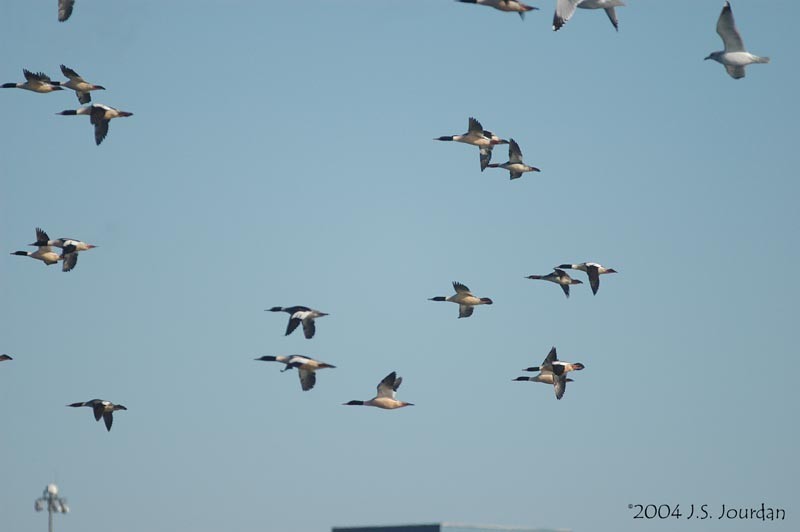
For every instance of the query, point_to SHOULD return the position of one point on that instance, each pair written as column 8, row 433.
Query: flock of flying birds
column 734, row 57
column 551, row 371
column 99, row 114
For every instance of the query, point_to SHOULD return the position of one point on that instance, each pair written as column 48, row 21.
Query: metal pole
column 55, row 504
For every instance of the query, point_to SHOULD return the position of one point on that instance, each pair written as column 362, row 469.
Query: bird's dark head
column 75, row 404
column 324, row 365
column 611, row 270
column 402, row 404
column 437, row 298
column 68, row 112
column 99, row 88
column 120, row 407
column 487, row 301
column 23, row 253
column 274, row 309
column 534, row 368
column 267, row 358
column 577, row 281
column 578, row 366
column 521, row 379
column 56, row 87
column 444, row 138
column 125, row 113
column 354, row 403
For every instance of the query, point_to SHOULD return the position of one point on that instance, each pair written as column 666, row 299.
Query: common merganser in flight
column 5, row 357
column 306, row 367
column 42, row 239
column 555, row 371
column 504, row 5
column 560, row 277
column 102, row 409
column 65, row 9
column 386, row 397
column 36, row 82
column 734, row 57
column 544, row 378
column 44, row 254
column 515, row 166
column 466, row 301
column 592, row 269
column 79, row 85
column 566, row 8
column 300, row 314
column 99, row 115
column 477, row 136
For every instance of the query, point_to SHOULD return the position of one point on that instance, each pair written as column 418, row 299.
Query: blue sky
column 282, row 155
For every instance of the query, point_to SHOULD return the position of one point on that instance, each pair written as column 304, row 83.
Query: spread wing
column 461, row 288
column 35, row 76
column 100, row 131
column 475, row 127
column 486, row 157
column 560, row 386
column 514, row 153
column 389, row 385
column 41, row 236
column 612, row 16
column 465, row 311
column 307, row 379
column 98, row 118
column 309, row 328
column 726, row 28
column 108, row 417
column 515, row 175
column 594, row 278
column 70, row 260
column 565, row 288
column 71, row 74
column 551, row 357
column 564, row 12
column 83, row 97
column 65, row 9
column 736, row 72
column 292, row 325
column 98, row 411
column 97, row 115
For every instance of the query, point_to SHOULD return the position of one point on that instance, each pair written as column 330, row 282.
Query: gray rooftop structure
column 445, row 527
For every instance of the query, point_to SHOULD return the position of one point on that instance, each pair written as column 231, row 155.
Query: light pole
column 52, row 502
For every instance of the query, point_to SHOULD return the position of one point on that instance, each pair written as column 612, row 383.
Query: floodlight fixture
column 52, row 502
